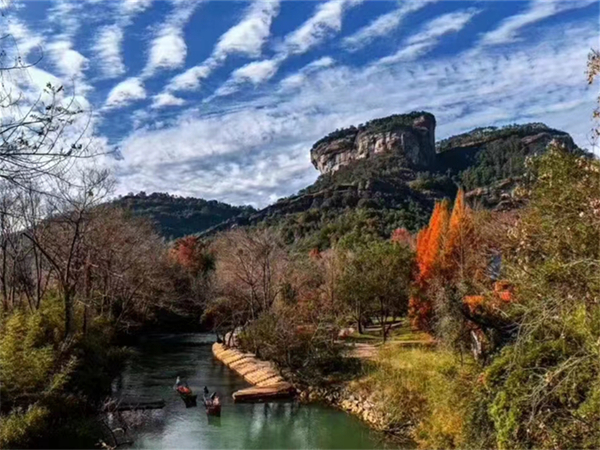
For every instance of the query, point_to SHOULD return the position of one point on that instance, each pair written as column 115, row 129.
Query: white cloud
column 165, row 99
column 135, row 6
column 297, row 79
column 247, row 38
column 108, row 48
column 190, row 79
column 259, row 149
column 70, row 63
column 26, row 41
column 383, row 25
column 250, row 34
column 168, row 48
column 538, row 10
column 430, row 34
column 256, row 72
column 127, row 91
column 109, row 39
column 326, row 21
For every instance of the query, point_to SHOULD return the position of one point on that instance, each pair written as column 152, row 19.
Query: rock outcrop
column 410, row 135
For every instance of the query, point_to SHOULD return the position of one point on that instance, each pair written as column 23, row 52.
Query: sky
column 224, row 99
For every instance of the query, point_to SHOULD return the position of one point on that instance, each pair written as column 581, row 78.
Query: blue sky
column 223, row 99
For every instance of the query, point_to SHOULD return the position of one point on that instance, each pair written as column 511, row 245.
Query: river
column 151, row 373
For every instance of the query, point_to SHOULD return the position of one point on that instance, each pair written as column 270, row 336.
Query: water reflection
column 159, row 360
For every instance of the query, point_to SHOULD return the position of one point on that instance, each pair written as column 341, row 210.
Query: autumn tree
column 249, row 275
column 430, row 241
column 193, row 254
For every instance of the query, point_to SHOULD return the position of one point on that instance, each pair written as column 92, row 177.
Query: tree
column 61, row 238
column 593, row 71
column 376, row 281
column 192, row 253
column 430, row 241
column 249, row 274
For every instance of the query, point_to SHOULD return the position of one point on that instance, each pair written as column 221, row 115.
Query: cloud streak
column 429, row 36
column 168, row 48
column 538, row 10
column 245, row 38
column 109, row 39
column 383, row 25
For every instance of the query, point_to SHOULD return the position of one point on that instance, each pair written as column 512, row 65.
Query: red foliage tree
column 191, row 253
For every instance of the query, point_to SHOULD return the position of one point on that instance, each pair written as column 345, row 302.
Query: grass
column 400, row 334
column 424, row 392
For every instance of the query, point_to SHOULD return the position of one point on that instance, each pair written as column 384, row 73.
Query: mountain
column 179, row 216
column 387, row 174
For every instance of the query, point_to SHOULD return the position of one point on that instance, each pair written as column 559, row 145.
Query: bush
column 542, row 390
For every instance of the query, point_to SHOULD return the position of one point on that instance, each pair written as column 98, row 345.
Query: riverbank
column 269, row 383
column 399, row 389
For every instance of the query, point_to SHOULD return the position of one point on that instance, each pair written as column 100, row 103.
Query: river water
column 152, row 371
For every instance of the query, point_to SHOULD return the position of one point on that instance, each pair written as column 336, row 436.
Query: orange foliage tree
column 453, row 280
column 430, row 242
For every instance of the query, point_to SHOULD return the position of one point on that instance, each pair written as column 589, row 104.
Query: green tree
column 376, row 281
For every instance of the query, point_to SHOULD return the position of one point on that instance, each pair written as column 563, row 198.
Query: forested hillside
column 176, row 216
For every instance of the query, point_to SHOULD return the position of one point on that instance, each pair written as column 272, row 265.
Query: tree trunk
column 68, row 313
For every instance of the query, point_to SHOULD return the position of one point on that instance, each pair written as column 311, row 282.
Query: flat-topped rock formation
column 268, row 382
column 411, row 135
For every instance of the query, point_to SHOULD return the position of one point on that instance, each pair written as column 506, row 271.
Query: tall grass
column 424, row 393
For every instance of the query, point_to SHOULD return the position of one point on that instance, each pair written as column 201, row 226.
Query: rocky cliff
column 410, row 135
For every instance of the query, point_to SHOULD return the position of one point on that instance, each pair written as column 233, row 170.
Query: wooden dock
column 267, row 381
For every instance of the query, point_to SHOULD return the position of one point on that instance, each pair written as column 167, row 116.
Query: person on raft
column 212, row 399
column 182, row 386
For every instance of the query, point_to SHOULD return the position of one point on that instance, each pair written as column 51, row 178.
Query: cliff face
column 409, row 135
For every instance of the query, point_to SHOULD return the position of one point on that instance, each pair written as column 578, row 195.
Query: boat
column 188, row 397
column 212, row 404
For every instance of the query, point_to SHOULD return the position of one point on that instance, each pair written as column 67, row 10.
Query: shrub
column 542, row 390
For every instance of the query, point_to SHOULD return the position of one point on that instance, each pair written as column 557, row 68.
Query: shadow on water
column 157, row 362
